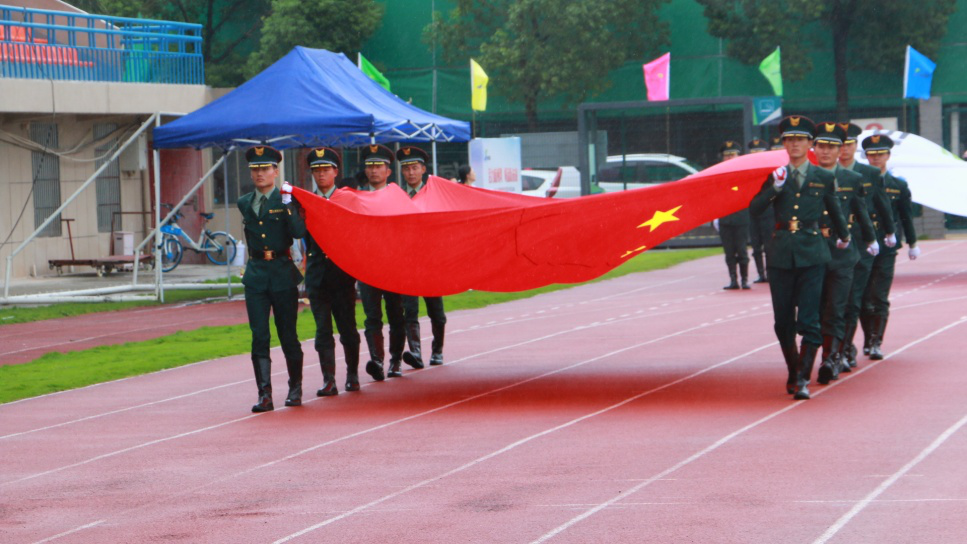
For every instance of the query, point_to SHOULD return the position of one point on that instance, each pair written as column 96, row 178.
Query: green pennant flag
column 771, row 68
column 372, row 72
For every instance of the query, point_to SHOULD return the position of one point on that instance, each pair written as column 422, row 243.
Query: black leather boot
column 847, row 351
column 397, row 338
column 327, row 361
column 414, row 356
column 733, row 281
column 878, row 326
column 867, row 332
column 744, row 274
column 263, row 380
column 807, row 358
column 829, row 369
column 791, row 356
column 376, row 353
column 294, row 398
column 352, row 366
column 760, row 269
column 436, row 358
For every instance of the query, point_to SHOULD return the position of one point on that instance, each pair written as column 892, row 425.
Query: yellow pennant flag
column 478, row 86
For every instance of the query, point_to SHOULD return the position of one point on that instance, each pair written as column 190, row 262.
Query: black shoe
column 802, row 393
column 375, row 370
column 412, row 360
column 352, row 382
column 295, row 395
column 328, row 390
column 436, row 359
column 760, row 279
column 828, row 371
column 875, row 353
column 394, row 369
column 732, row 286
column 745, row 284
column 264, row 405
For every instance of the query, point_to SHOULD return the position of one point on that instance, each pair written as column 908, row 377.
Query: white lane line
column 724, row 440
column 530, row 438
column 72, row 531
column 439, row 408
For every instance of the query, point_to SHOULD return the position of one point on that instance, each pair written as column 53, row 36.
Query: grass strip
column 62, row 371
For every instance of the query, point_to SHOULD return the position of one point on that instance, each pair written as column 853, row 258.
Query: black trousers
column 374, row 312
column 861, row 277
column 284, row 306
column 338, row 304
column 795, row 302
column 876, row 299
column 836, row 291
column 760, row 232
column 735, row 242
column 434, row 309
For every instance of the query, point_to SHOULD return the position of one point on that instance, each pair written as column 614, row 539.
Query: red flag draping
column 450, row 238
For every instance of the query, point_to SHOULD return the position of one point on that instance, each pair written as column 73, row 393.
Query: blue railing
column 42, row 44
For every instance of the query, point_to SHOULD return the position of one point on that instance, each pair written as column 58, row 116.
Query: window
column 109, row 181
column 46, row 177
column 239, row 180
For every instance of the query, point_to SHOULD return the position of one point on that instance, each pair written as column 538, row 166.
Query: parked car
column 622, row 172
column 565, row 182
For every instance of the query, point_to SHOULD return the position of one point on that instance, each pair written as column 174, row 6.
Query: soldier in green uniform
column 799, row 194
column 881, row 216
column 876, row 299
column 760, row 226
column 828, row 138
column 271, row 279
column 413, row 166
column 776, row 144
column 331, row 291
column 377, row 161
column 734, row 231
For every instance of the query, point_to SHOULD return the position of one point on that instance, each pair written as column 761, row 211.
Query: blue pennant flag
column 918, row 75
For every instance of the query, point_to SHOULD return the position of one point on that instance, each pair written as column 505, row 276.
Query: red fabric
column 450, row 237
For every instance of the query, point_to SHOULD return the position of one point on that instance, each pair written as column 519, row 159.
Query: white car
column 565, row 182
column 622, row 172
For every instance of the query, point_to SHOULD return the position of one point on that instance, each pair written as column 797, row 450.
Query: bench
column 41, row 54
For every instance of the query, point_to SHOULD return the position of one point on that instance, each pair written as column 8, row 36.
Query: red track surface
column 650, row 408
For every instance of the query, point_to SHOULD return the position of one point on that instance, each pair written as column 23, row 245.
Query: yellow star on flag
column 659, row 218
column 631, row 251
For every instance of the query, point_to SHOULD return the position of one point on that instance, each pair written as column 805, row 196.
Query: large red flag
column 450, row 237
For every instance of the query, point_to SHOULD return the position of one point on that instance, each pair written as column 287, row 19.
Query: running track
column 648, row 408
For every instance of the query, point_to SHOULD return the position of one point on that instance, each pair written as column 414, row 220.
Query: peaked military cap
column 776, row 143
column 758, row 145
column 323, row 157
column 262, row 155
column 830, row 133
column 375, row 153
column 796, row 125
column 412, row 154
column 730, row 147
column 852, row 131
column 877, row 143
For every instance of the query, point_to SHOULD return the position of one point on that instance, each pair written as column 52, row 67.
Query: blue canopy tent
column 309, row 98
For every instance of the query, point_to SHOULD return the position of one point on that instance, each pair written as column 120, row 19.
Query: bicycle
column 218, row 246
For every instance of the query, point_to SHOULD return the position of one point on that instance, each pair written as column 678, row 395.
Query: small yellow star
column 735, row 188
column 659, row 218
column 629, row 252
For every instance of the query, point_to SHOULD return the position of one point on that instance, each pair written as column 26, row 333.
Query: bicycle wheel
column 171, row 253
column 220, row 247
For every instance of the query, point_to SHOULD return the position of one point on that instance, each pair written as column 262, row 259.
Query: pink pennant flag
column 657, row 77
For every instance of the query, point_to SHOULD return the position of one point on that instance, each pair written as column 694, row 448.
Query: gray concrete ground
column 84, row 277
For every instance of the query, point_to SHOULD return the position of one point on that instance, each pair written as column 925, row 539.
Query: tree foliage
column 337, row 25
column 538, row 49
column 863, row 34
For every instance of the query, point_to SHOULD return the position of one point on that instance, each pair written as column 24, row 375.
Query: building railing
column 42, row 44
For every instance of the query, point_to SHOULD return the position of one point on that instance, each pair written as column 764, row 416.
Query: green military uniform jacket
column 273, row 229
column 877, row 204
column 321, row 272
column 736, row 219
column 901, row 201
column 852, row 201
column 804, row 245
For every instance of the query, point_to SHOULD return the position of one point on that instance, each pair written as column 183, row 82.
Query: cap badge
column 830, row 127
column 320, row 153
column 876, row 139
column 407, row 150
column 373, row 148
column 259, row 151
column 794, row 121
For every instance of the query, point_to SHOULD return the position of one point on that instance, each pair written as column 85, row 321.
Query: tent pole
column 228, row 265
column 159, row 289
column 433, row 146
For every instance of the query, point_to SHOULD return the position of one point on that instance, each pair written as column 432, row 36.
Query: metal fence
column 42, row 44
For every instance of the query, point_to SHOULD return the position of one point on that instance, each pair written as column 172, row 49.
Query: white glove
column 286, row 192
column 715, row 223
column 842, row 244
column 890, row 240
column 914, row 253
column 779, row 176
column 874, row 248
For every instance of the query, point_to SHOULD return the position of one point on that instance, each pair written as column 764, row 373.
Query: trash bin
column 123, row 243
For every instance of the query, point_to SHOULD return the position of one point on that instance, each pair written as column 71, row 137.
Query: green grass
column 62, row 371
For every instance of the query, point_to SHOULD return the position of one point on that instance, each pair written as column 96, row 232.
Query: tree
column 337, row 25
column 229, row 28
column 866, row 34
column 539, row 49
